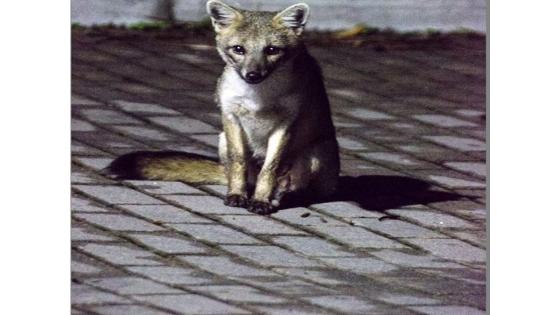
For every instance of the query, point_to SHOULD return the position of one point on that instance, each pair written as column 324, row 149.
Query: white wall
column 325, row 14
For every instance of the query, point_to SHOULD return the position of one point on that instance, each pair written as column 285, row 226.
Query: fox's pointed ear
column 294, row 17
column 222, row 15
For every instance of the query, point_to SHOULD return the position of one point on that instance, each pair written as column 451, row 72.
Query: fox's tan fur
column 190, row 171
column 278, row 133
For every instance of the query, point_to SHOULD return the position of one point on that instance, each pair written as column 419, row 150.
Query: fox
column 278, row 140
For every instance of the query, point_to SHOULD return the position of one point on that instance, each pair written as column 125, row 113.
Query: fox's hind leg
column 293, row 179
column 312, row 175
column 325, row 169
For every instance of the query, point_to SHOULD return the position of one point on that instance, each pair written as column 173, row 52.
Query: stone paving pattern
column 406, row 235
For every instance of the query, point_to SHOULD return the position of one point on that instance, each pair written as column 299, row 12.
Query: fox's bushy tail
column 168, row 165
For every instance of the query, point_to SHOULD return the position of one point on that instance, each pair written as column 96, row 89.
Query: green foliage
column 148, row 26
column 204, row 24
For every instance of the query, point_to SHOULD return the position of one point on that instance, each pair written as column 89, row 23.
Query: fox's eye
column 272, row 50
column 238, row 50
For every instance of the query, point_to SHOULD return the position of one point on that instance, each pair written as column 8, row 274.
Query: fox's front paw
column 261, row 207
column 236, row 201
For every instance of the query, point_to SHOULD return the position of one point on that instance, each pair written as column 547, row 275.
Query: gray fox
column 278, row 137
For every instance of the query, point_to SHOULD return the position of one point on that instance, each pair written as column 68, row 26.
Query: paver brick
column 121, row 255
column 211, row 140
column 462, row 144
column 310, row 246
column 346, row 209
column 97, row 163
column 170, row 245
column 80, row 100
column 77, row 266
column 393, row 158
column 289, row 309
column 269, row 255
column 457, row 182
column 368, row 114
column 164, row 188
column 366, row 265
column 82, row 149
column 452, row 249
column 191, row 304
column 472, row 167
column 414, row 260
column 81, row 125
column 433, row 219
column 81, row 178
column 105, row 116
column 218, row 189
column 344, row 303
column 444, row 310
column 477, row 237
column 84, row 205
column 351, row 144
column 127, row 310
column 184, row 124
column 82, row 294
column 259, row 225
column 294, row 288
column 240, row 293
column 396, row 228
column 171, row 275
column 130, row 285
column 205, row 204
column 144, row 133
column 357, row 237
column 149, row 108
column 408, row 299
column 444, row 121
column 215, row 233
column 470, row 112
column 305, row 217
column 117, row 194
column 225, row 266
column 118, row 222
column 313, row 274
column 165, row 214
column 83, row 234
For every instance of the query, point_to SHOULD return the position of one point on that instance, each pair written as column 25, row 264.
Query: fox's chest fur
column 259, row 108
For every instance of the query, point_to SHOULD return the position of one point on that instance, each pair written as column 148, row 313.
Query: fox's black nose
column 253, row 77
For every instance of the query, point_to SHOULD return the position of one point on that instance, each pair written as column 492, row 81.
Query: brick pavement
column 405, row 235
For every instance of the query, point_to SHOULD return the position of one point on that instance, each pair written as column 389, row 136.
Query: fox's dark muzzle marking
column 254, row 77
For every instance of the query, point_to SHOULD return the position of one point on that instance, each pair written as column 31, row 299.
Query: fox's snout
column 253, row 77
column 253, row 66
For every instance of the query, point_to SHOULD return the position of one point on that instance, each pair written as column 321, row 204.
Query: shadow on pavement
column 380, row 193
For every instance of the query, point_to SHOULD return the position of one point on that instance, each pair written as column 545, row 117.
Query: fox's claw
column 236, row 201
column 261, row 207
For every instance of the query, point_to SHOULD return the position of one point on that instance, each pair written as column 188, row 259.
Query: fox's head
column 255, row 43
